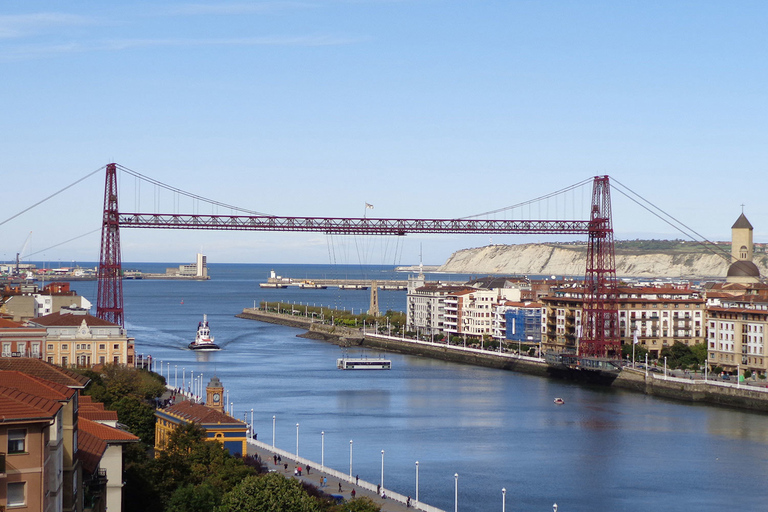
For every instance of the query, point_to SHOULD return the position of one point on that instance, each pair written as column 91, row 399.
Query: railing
column 710, row 382
column 343, row 476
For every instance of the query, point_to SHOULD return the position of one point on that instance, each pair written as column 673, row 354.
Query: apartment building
column 736, row 328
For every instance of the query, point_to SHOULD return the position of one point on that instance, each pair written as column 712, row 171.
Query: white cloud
column 23, row 25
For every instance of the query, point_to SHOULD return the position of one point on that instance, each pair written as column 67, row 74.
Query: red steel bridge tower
column 599, row 339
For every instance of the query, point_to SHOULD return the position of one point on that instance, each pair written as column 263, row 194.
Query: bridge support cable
column 109, row 302
column 676, row 224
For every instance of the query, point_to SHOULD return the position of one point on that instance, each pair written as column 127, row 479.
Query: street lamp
column 251, row 422
column 382, row 470
column 273, row 431
column 456, row 493
column 175, row 376
column 350, row 458
column 184, row 378
column 503, row 500
column 417, row 481
column 665, row 367
column 322, row 449
column 297, row 440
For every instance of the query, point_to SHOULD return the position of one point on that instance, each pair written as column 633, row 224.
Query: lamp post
column 382, row 470
column 503, row 500
column 350, row 458
column 456, row 492
column 184, row 379
column 665, row 367
column 175, row 376
column 251, row 423
column 161, row 367
column 417, row 481
column 273, row 431
column 646, row 366
column 297, row 440
column 322, row 449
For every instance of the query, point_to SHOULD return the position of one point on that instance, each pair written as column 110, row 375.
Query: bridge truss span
column 352, row 226
column 600, row 316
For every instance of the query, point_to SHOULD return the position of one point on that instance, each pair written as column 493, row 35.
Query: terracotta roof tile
column 105, row 432
column 97, row 415
column 199, row 413
column 9, row 324
column 69, row 320
column 16, row 405
column 43, row 370
column 90, row 450
column 35, row 385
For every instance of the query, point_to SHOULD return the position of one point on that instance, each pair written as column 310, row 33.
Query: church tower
column 214, row 394
column 742, row 270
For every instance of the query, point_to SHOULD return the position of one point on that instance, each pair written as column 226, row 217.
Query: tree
column 138, row 416
column 362, row 504
column 269, row 493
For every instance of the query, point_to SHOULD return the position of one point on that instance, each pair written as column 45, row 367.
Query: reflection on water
column 603, row 450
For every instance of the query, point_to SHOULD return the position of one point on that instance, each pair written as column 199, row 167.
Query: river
column 603, row 450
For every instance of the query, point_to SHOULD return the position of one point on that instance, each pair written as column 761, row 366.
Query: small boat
column 273, row 285
column 346, row 363
column 559, row 401
column 203, row 339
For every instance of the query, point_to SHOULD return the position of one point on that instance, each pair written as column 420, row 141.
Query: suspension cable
column 52, row 195
column 661, row 214
column 188, row 194
column 64, row 242
column 529, row 202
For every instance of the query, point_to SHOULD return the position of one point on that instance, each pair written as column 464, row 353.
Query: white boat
column 203, row 338
column 559, row 401
column 273, row 285
column 346, row 363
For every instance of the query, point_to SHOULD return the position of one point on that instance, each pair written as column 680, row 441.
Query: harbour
column 495, row 429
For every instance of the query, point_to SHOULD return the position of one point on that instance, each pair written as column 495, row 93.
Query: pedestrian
column 299, row 468
column 279, row 459
column 307, row 469
column 285, row 466
column 274, row 458
column 296, row 471
column 378, row 489
column 340, row 487
column 325, row 482
column 357, row 479
column 353, row 494
column 408, row 502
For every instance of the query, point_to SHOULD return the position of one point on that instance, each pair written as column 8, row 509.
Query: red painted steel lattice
column 600, row 320
column 109, row 302
column 600, row 316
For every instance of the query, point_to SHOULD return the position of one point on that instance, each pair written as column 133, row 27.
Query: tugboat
column 203, row 339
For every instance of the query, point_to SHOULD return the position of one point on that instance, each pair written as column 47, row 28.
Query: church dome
column 743, row 268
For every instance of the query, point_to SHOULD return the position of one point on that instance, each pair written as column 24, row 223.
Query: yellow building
column 76, row 338
column 218, row 425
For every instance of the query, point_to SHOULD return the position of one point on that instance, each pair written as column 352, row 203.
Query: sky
column 421, row 108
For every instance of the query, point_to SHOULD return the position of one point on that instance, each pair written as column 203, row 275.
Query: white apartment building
column 736, row 328
column 472, row 312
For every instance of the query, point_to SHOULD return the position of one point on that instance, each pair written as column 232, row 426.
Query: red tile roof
column 199, row 413
column 97, row 415
column 9, row 324
column 43, row 370
column 69, row 320
column 105, row 432
column 90, row 450
column 16, row 405
column 35, row 385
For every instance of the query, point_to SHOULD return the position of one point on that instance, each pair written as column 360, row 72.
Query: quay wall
column 709, row 392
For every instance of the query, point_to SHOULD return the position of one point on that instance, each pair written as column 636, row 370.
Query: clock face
column 216, row 397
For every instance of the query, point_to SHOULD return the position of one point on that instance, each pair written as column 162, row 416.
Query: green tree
column 194, row 498
column 138, row 416
column 362, row 504
column 269, row 493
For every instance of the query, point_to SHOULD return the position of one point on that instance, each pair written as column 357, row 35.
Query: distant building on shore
column 199, row 269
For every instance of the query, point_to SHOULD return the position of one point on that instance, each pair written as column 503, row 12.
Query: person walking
column 353, row 494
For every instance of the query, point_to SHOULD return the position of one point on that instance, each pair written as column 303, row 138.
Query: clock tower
column 214, row 394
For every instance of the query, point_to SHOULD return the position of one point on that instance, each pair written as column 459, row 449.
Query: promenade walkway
column 393, row 503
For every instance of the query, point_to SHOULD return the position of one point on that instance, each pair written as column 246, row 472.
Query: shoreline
column 686, row 390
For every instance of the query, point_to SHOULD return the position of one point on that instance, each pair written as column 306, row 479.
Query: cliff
column 633, row 259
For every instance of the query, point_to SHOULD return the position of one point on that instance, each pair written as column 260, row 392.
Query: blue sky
column 423, row 108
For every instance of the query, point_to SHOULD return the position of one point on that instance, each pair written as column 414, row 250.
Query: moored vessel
column 203, row 338
column 346, row 363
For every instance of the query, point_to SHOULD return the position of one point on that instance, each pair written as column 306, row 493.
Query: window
column 15, row 495
column 50, row 346
column 116, row 346
column 64, row 346
column 17, row 441
column 102, row 346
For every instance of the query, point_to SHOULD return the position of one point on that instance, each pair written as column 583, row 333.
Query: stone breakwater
column 696, row 390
